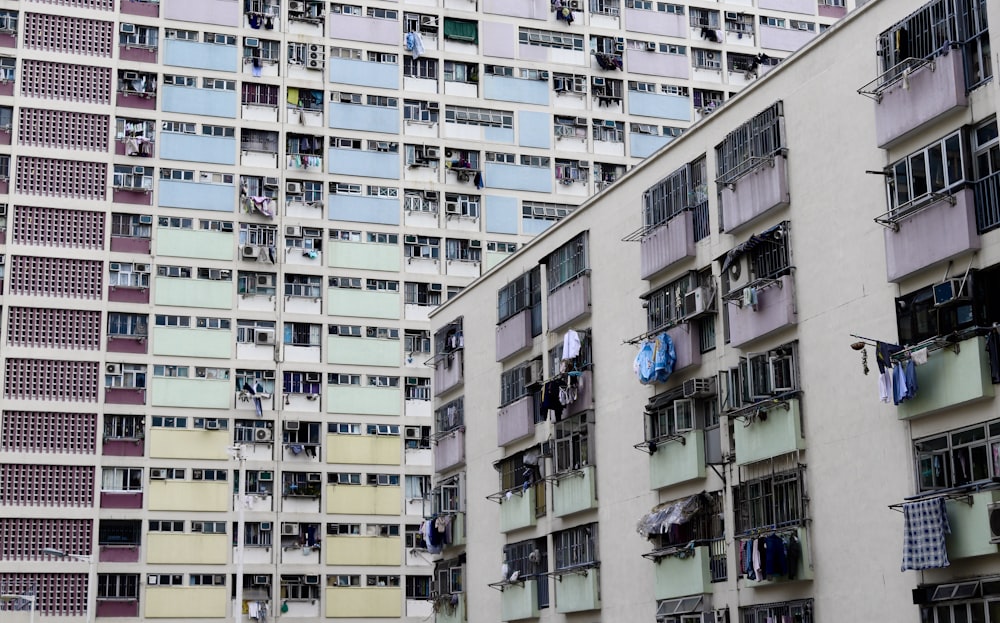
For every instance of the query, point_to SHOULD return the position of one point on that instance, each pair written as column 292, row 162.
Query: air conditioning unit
column 432, row 152
column 428, row 20
column 598, row 82
column 475, row 244
column 290, row 529
column 197, row 474
column 212, row 425
column 583, row 165
column 950, row 290
column 293, row 231
column 261, row 580
column 114, row 369
column 619, row 47
column 262, row 435
column 145, row 219
column 127, row 28
column 250, row 250
column 296, row 6
column 292, row 425
column 650, row 46
column 581, row 121
column 412, row 432
column 314, row 377
column 699, row 388
column 545, row 449
column 250, row 42
column 265, row 281
column 141, row 268
column 157, row 474
column 993, row 514
column 732, row 16
column 314, row 477
column 574, row 4
column 265, row 526
column 435, row 287
column 268, row 375
column 265, row 477
column 130, row 75
column 433, row 106
column 696, row 302
column 3, row 209
column 315, row 63
column 293, row 188
column 263, row 336
column 543, row 75
column 271, row 182
column 452, row 207
column 311, row 579
column 152, row 580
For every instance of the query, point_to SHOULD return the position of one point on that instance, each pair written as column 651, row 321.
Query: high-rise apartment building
column 224, row 224
column 687, row 424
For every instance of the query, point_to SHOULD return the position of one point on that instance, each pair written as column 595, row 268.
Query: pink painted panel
column 530, row 9
column 132, row 197
column 516, row 420
column 122, row 447
column 131, row 245
column 141, row 55
column 784, row 38
column 3, row 240
column 221, row 12
column 532, row 52
column 121, row 499
column 118, row 553
column 656, row 64
column 825, row 10
column 370, row 30
column 117, row 609
column 125, row 395
column 449, row 450
column 5, row 137
column 8, row 40
column 499, row 40
column 656, row 23
column 805, row 7
column 147, row 9
column 119, row 294
column 128, row 101
column 687, row 345
column 939, row 232
column 6, row 88
column 775, row 310
column 4, row 187
column 667, row 244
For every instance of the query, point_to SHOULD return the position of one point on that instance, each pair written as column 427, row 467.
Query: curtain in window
column 461, row 30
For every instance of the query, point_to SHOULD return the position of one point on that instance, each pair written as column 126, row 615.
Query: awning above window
column 461, row 30
column 684, row 605
column 659, row 520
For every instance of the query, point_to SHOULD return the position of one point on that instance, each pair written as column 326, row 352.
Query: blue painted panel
column 195, row 196
column 501, row 215
column 364, row 73
column 199, row 55
column 364, row 118
column 535, row 226
column 363, row 209
column 644, row 145
column 508, row 89
column 364, row 163
column 657, row 105
column 534, row 129
column 516, row 177
column 499, row 135
column 193, row 101
column 198, row 148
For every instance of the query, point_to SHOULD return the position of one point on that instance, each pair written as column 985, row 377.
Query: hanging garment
column 571, row 345
column 793, row 554
column 758, row 568
column 993, row 352
column 898, row 384
column 254, row 20
column 919, row 357
column 550, row 399
column 910, row 374
column 479, row 180
column 644, row 365
column 775, row 556
column 885, row 391
column 925, row 524
column 884, row 353
column 665, row 357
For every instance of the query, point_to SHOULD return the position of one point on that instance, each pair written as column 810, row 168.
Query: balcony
column 569, row 301
column 574, row 491
column 678, row 461
column 117, row 608
column 125, row 395
column 518, row 510
column 668, row 244
column 803, row 572
column 578, row 590
column 134, row 344
column 686, row 572
column 513, row 335
column 753, row 194
column 121, row 499
column 448, row 371
column 970, row 526
column 449, row 608
column 915, row 93
column 936, row 232
column 951, row 377
column 775, row 310
column 519, row 600
column 516, row 420
column 779, row 433
column 449, row 449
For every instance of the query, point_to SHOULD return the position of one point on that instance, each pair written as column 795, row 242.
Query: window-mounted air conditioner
column 699, row 387
column 3, row 209
column 270, row 182
column 130, row 75
column 452, row 207
column 127, row 28
column 292, row 425
column 114, row 369
column 249, row 251
column 265, row 526
column 650, row 46
column 293, row 231
column 114, row 267
column 315, row 63
column 314, row 477
column 429, row 20
column 475, row 244
column 993, row 515
column 264, row 336
column 314, row 377
column 435, row 287
column 951, row 290
column 311, row 579
column 543, row 75
column 296, row 6
column 261, row 580
column 433, row 106
column 432, row 153
column 265, row 477
column 157, row 474
column 290, row 529
column 141, row 268
column 262, row 435
column 268, row 375
column 412, row 432
column 265, row 281
column 212, row 425
column 581, row 121
column 696, row 302
column 250, row 42
column 293, row 188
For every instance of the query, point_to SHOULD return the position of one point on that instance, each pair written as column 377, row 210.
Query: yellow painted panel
column 364, row 550
column 363, row 500
column 185, row 602
column 193, row 549
column 166, row 495
column 363, row 450
column 176, row 443
column 364, row 602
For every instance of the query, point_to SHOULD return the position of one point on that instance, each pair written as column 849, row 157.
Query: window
column 958, row 457
column 549, row 39
column 772, row 501
column 539, row 211
column 138, row 36
column 418, row 586
column 515, row 383
column 573, row 443
column 379, row 380
column 118, row 586
column 177, row 175
column 449, row 574
column 567, row 262
column 768, row 260
column 294, row 588
column 450, row 416
column 160, row 421
column 124, row 427
column 926, row 175
column 382, row 480
column 166, row 525
column 381, row 285
column 521, row 471
column 419, row 111
column 255, row 535
column 461, row 205
column 125, row 325
column 665, row 306
column 131, row 226
column 218, row 84
column 798, row 611
column 8, row 69
column 220, row 39
column 266, row 51
column 426, row 294
column 704, row 18
column 121, row 479
column 119, row 532
column 303, row 382
column 576, row 547
column 479, row 116
column 343, row 529
column 207, row 579
column 426, row 68
column 170, row 371
column 247, row 331
column 685, row 188
column 751, row 145
column 523, row 293
column 386, row 58
column 209, row 527
column 461, row 72
column 416, row 341
column 255, row 94
column 131, row 376
column 304, row 286
column 530, row 560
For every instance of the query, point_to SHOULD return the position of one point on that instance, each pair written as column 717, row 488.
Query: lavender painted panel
column 3, row 240
column 687, row 345
column 8, row 40
column 132, row 197
column 784, row 38
column 513, row 335
column 656, row 64
column 141, row 55
column 131, row 245
column 807, row 7
column 450, row 450
column 130, row 101
column 117, row 609
column 221, row 12
column 569, row 302
column 4, row 187
column 147, row 9
column 6, row 88
column 763, row 189
column 929, row 92
column 127, row 553
column 123, row 395
column 121, row 499
column 530, row 9
column 448, row 372
column 499, row 40
column 656, row 23
column 516, row 421
column 371, row 30
column 119, row 294
column 667, row 245
column 775, row 310
column 5, row 137
column 935, row 234
column 532, row 52
column 826, row 10
column 584, row 395
column 122, row 447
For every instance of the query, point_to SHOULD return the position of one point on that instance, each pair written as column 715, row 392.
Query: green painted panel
column 575, row 492
column 679, row 577
column 520, row 601
column 804, row 572
column 518, row 510
column 363, row 351
column 779, row 434
column 202, row 293
column 950, row 379
column 576, row 592
column 364, row 400
column 195, row 393
column 363, row 303
column 970, row 526
column 366, row 256
column 181, row 342
column 202, row 244
column 674, row 462
column 493, row 258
